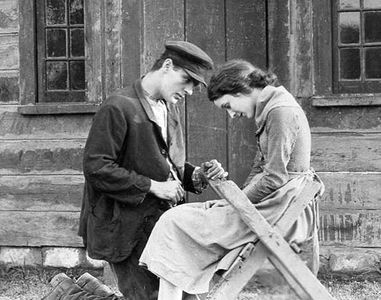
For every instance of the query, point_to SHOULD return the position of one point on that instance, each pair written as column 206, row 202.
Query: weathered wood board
column 355, row 228
column 351, row 191
column 21, row 156
column 9, row 16
column 9, row 54
column 351, row 152
column 35, row 229
column 41, row 192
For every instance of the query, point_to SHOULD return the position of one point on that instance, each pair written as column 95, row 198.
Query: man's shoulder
column 122, row 97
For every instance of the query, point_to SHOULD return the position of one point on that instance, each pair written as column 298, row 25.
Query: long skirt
column 188, row 242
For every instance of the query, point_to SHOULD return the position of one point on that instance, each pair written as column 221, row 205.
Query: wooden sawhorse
column 271, row 245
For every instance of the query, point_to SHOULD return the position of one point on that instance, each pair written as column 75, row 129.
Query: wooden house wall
column 41, row 156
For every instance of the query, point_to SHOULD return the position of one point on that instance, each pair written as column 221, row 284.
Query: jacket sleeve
column 103, row 150
column 282, row 129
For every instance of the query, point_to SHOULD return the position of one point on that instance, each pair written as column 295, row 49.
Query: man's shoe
column 93, row 285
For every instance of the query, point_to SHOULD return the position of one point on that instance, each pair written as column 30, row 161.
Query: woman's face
column 238, row 105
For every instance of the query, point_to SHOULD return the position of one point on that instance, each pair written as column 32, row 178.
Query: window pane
column 345, row 4
column 350, row 64
column 349, row 27
column 55, row 12
column 372, row 21
column 372, row 4
column 77, row 43
column 56, row 42
column 373, row 63
column 76, row 11
column 56, row 75
column 77, row 75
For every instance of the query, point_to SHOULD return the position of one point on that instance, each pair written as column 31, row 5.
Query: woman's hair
column 238, row 76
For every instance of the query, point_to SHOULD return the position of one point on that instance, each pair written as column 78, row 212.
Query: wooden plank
column 22, row 156
column 9, row 88
column 279, row 40
column 93, row 48
column 59, row 109
column 234, row 280
column 354, row 228
column 301, row 49
column 245, row 39
column 273, row 240
column 347, row 100
column 36, row 229
column 164, row 20
column 112, row 45
column 131, row 41
column 353, row 152
column 15, row 126
column 9, row 54
column 41, row 192
column 206, row 127
column 346, row 190
column 9, row 19
column 322, row 47
column 27, row 48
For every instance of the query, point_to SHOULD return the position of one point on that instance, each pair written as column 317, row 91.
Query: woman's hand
column 213, row 170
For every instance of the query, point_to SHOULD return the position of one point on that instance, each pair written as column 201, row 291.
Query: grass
column 18, row 283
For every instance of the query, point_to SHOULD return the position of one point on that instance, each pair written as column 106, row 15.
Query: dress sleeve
column 103, row 148
column 282, row 128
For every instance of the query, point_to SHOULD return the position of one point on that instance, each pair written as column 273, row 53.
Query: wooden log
column 351, row 190
column 9, row 52
column 273, row 241
column 36, row 229
column 351, row 152
column 351, row 228
column 22, row 156
column 41, row 192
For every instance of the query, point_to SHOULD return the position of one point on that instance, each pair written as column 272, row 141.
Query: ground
column 32, row 284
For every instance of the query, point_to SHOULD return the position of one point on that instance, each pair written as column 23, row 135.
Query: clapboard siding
column 35, row 229
column 352, row 152
column 350, row 191
column 40, row 155
column 356, row 228
column 41, row 192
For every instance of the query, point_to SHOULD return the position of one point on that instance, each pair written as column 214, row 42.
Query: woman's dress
column 188, row 242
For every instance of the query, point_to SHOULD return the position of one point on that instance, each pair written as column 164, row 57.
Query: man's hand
column 213, row 170
column 172, row 191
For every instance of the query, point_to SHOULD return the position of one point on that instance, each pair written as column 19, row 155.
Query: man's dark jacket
column 124, row 150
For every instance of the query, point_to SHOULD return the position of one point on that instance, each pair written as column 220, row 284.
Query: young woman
column 188, row 242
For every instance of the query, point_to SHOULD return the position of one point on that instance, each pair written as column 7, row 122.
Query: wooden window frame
column 324, row 94
column 29, row 104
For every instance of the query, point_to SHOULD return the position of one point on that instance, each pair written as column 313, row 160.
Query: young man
column 134, row 165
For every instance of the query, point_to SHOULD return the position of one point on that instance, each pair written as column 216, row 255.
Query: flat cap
column 191, row 58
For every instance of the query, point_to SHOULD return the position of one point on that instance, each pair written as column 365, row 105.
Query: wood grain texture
column 206, row 129
column 112, row 45
column 351, row 191
column 9, row 16
column 164, row 21
column 245, row 39
column 354, row 228
column 93, row 49
column 9, row 89
column 24, row 156
column 41, row 192
column 351, row 152
column 15, row 126
column 36, row 229
column 9, row 52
